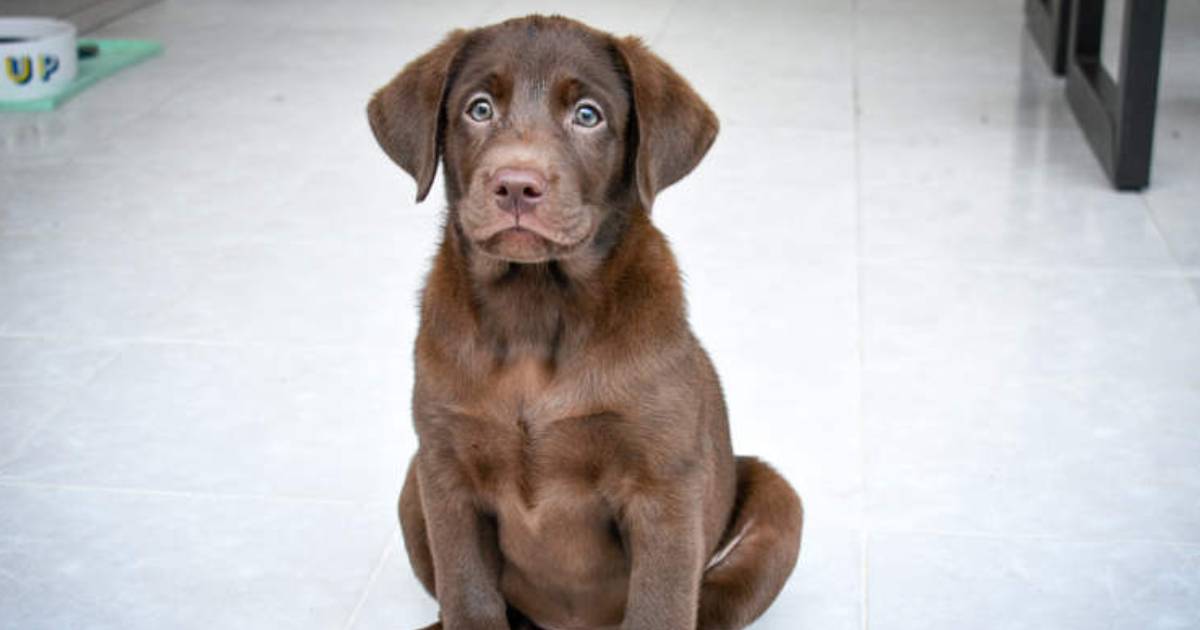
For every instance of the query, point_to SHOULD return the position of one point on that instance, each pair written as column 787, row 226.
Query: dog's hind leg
column 758, row 552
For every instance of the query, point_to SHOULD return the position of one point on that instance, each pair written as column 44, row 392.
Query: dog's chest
column 545, row 468
column 524, row 439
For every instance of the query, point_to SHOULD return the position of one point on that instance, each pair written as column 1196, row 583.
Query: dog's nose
column 517, row 190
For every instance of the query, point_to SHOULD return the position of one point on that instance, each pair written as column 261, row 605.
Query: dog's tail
column 759, row 550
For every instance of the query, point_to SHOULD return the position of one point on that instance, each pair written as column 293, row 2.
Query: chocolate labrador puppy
column 574, row 468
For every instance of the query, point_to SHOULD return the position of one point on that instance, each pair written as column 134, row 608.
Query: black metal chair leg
column 1047, row 21
column 1117, row 116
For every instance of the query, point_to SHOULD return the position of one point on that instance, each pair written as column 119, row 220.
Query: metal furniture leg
column 1117, row 115
column 1047, row 21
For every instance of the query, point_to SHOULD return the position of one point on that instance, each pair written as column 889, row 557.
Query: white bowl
column 40, row 62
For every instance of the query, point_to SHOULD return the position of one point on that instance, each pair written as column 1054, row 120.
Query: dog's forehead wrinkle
column 544, row 48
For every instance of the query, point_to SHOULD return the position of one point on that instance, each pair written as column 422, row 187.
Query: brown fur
column 574, row 467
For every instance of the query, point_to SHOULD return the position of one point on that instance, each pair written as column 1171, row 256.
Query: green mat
column 114, row 55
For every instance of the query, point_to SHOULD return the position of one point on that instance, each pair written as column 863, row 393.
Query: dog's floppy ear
column 675, row 128
column 405, row 114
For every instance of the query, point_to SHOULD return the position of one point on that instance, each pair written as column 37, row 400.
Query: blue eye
column 587, row 115
column 480, row 110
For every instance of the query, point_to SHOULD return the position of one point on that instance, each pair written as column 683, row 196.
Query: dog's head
column 550, row 132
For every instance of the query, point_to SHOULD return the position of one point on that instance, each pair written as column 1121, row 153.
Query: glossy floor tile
column 258, row 420
column 978, row 364
column 942, row 582
column 84, row 558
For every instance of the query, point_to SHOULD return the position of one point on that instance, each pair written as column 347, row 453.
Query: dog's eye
column 587, row 115
column 480, row 110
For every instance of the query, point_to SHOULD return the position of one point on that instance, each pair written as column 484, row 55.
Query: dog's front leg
column 665, row 542
column 463, row 544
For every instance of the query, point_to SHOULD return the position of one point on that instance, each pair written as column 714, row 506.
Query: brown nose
column 517, row 190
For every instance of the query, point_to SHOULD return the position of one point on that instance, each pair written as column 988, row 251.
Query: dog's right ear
column 406, row 114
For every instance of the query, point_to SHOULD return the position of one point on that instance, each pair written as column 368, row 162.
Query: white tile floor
column 979, row 365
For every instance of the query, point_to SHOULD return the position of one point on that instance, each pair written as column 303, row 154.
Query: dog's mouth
column 522, row 245
column 525, row 238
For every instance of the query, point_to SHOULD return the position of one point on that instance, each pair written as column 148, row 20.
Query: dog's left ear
column 406, row 114
column 675, row 127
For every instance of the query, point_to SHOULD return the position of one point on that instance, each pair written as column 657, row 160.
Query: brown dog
column 574, row 468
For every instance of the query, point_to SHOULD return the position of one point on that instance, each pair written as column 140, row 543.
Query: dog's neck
column 547, row 310
column 527, row 309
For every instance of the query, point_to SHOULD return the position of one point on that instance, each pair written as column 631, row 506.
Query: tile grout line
column 1176, row 272
column 371, row 580
column 1045, row 538
column 39, row 425
column 10, row 482
column 188, row 288
column 864, row 568
column 656, row 39
column 184, row 341
column 1162, row 235
column 1186, row 271
column 72, row 159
